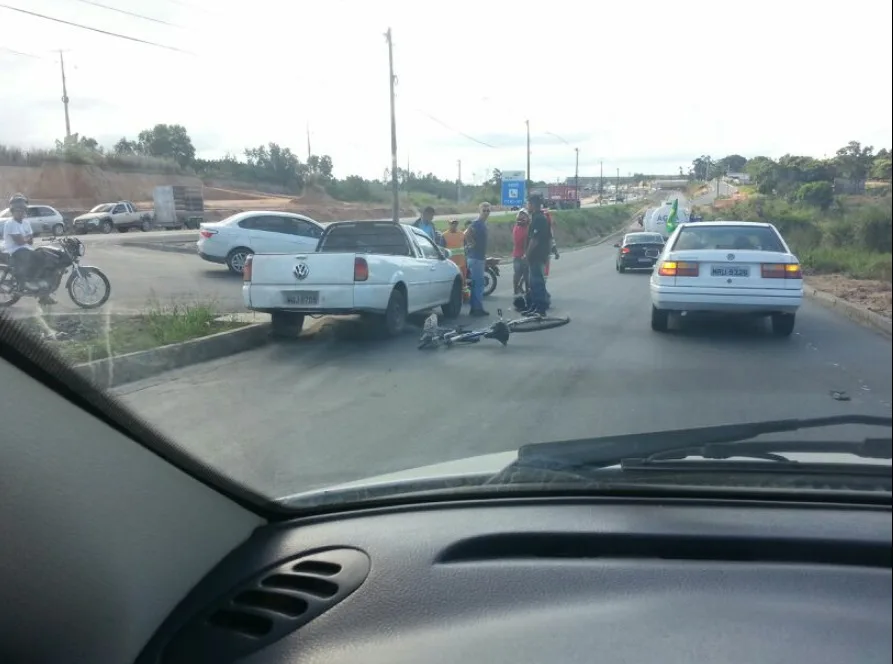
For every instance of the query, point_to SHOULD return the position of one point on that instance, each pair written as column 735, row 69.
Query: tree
column 167, row 142
column 733, row 163
column 854, row 161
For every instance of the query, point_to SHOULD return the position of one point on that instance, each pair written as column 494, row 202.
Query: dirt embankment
column 73, row 189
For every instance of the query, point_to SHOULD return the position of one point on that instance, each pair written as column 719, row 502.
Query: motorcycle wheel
column 489, row 282
column 106, row 286
column 7, row 298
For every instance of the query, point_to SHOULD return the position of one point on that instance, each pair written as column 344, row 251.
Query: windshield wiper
column 719, row 442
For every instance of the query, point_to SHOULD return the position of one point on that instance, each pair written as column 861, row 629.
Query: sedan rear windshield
column 644, row 238
column 757, row 238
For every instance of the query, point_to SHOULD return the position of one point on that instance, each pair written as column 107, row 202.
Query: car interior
column 118, row 547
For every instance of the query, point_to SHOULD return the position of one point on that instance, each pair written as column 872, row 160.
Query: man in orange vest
column 454, row 240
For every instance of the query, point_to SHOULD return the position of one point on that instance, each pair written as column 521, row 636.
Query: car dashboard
column 514, row 581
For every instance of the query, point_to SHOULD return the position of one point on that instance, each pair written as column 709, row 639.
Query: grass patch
column 82, row 337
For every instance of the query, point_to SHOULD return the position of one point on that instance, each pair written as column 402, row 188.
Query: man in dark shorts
column 539, row 248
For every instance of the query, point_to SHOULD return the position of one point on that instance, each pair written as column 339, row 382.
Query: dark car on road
column 638, row 251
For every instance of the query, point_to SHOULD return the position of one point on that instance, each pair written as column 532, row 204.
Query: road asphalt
column 342, row 405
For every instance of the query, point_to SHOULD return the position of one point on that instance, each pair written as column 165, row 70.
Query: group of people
column 534, row 245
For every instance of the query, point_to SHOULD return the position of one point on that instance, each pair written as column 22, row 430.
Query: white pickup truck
column 383, row 269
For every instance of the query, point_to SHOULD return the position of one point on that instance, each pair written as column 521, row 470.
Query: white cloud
column 640, row 87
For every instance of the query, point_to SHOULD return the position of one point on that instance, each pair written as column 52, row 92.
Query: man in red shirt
column 519, row 244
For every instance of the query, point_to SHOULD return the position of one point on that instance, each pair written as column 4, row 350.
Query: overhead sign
column 514, row 192
column 513, row 176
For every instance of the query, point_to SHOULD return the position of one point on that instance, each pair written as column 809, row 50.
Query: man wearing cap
column 539, row 248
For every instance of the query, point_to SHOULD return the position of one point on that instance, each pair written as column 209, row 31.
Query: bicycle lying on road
column 434, row 336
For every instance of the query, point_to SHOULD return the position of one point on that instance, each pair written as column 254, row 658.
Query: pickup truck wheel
column 453, row 308
column 236, row 259
column 394, row 321
column 286, row 324
column 145, row 226
column 106, row 226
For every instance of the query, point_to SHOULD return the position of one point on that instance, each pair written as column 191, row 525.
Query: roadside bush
column 81, row 155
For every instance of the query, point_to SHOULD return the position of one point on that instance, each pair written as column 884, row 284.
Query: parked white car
column 44, row 220
column 231, row 241
column 734, row 267
column 380, row 268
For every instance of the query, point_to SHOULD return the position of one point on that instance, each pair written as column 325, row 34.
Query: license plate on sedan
column 301, row 298
column 646, row 260
column 727, row 271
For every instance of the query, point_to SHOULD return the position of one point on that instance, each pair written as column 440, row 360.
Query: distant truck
column 178, row 206
column 106, row 217
column 563, row 197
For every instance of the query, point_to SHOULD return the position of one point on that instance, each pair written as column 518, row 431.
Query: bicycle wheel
column 532, row 324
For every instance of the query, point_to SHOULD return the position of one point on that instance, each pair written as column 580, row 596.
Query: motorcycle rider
column 18, row 241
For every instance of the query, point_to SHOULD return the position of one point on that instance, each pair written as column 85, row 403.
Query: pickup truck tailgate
column 305, row 282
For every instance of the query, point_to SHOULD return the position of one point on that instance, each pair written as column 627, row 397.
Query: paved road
column 340, row 407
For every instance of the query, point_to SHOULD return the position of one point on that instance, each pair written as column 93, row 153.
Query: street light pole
column 577, row 175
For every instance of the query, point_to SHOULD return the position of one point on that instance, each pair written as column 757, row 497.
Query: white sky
column 648, row 86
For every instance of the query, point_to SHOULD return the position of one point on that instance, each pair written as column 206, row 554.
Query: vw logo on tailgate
column 302, row 271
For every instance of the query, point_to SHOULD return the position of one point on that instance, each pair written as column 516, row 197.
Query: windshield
column 255, row 274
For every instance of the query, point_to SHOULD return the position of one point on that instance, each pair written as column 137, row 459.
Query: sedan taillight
column 781, row 271
column 678, row 269
column 205, row 233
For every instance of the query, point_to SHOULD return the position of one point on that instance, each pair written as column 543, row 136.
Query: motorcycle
column 51, row 263
column 491, row 275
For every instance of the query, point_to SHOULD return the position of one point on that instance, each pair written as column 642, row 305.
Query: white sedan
column 231, row 241
column 734, row 267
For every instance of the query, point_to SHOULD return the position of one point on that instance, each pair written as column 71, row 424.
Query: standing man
column 454, row 240
column 476, row 253
column 425, row 223
column 519, row 245
column 539, row 247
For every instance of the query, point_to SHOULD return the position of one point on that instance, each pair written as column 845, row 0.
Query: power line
column 129, row 13
column 456, row 131
column 91, row 29
column 24, row 55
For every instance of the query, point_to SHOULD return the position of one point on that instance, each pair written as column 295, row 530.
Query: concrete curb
column 854, row 312
column 114, row 371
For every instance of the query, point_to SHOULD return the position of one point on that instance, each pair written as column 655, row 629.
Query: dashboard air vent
column 268, row 607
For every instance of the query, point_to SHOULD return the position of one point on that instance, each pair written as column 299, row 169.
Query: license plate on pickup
column 727, row 271
column 301, row 298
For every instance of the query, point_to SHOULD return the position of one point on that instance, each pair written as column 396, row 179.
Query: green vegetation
column 83, row 338
column 851, row 237
column 836, row 213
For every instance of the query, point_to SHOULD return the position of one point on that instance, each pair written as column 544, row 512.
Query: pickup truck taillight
column 360, row 269
column 246, row 271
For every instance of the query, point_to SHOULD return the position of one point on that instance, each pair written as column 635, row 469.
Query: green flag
column 673, row 219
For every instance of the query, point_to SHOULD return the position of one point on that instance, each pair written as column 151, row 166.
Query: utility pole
column 392, row 79
column 65, row 98
column 601, row 178
column 459, row 182
column 309, row 153
column 617, row 193
column 529, row 180
column 577, row 175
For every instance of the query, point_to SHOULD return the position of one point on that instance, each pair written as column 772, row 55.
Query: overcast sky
column 644, row 86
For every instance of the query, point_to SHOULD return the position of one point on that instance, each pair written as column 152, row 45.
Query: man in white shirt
column 18, row 238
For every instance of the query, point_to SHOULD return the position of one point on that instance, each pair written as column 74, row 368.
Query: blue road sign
column 514, row 193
